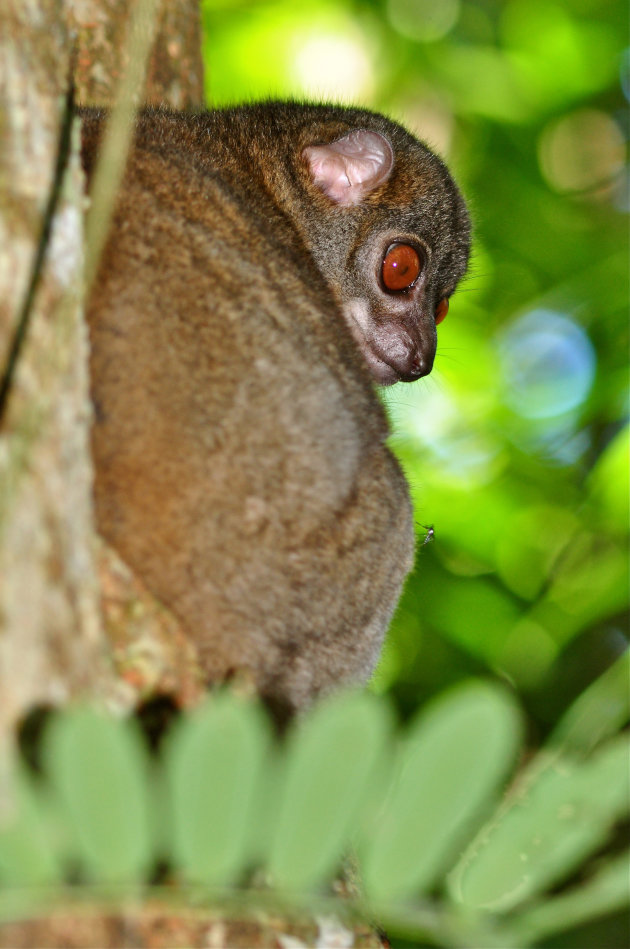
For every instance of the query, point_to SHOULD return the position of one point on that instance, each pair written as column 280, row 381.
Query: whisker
column 452, row 359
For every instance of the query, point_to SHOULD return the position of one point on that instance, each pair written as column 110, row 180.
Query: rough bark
column 153, row 928
column 175, row 73
column 57, row 580
column 51, row 641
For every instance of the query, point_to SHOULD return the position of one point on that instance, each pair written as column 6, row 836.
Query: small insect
column 430, row 534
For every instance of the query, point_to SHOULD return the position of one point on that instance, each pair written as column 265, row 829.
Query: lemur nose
column 415, row 364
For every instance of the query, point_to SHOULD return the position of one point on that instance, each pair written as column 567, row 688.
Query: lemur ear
column 348, row 169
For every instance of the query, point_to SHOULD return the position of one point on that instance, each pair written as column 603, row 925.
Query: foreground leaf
column 331, row 761
column 559, row 814
column 97, row 770
column 606, row 892
column 213, row 762
column 26, row 853
column 599, row 712
column 452, row 762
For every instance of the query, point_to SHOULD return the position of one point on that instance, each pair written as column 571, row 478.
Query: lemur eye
column 441, row 310
column 401, row 267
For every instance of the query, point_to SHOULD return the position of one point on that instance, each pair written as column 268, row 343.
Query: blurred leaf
column 476, row 614
column 592, row 590
column 608, row 482
column 213, row 762
column 482, row 80
column 27, row 858
column 266, row 807
column 529, row 653
column 556, row 56
column 529, row 544
column 559, row 812
column 603, row 893
column 330, row 766
column 97, row 769
column 471, row 531
column 599, row 712
column 452, row 761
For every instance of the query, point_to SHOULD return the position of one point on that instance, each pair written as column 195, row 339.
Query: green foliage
column 599, row 711
column 98, row 779
column 332, row 761
column 213, row 765
column 559, row 813
column 405, row 801
column 516, row 447
column 27, row 857
column 450, row 765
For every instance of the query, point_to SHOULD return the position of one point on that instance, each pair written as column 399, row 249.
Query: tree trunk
column 51, row 640
column 68, row 606
column 175, row 71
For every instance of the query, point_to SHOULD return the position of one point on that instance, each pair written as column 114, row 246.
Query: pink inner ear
column 348, row 169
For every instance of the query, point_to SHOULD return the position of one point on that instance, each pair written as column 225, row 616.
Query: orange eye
column 441, row 310
column 401, row 267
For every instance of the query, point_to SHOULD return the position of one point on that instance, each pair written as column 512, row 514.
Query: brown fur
column 239, row 447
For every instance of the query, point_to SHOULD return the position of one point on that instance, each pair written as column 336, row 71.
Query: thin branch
column 113, row 156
